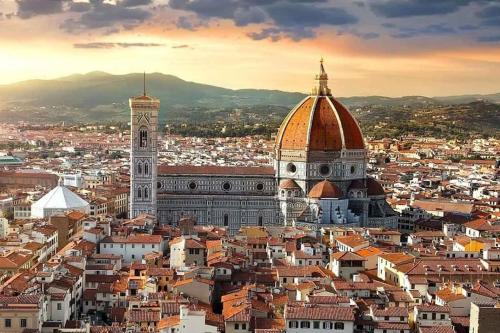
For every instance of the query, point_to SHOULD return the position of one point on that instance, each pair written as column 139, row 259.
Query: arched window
column 139, row 192
column 146, row 193
column 226, row 220
column 143, row 137
column 146, row 169
column 139, row 168
column 261, row 222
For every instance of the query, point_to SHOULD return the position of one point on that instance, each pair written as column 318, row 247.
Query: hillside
column 101, row 97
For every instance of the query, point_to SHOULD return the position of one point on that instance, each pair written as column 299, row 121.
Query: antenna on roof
column 144, row 83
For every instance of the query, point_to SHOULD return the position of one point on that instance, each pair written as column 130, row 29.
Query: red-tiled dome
column 357, row 184
column 319, row 123
column 325, row 189
column 374, row 187
column 289, row 184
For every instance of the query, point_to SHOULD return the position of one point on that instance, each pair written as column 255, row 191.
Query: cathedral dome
column 319, row 123
column 325, row 189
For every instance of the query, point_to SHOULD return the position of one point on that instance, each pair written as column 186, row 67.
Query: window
column 139, row 192
column 433, row 316
column 260, row 221
column 316, row 324
column 23, row 322
column 244, row 326
column 442, row 316
column 324, row 169
column 236, row 326
column 291, row 168
column 401, row 318
column 8, row 323
column 59, row 306
column 146, row 193
column 139, row 168
column 327, row 325
column 226, row 186
column 146, row 169
column 424, row 316
column 226, row 220
column 293, row 324
column 143, row 137
column 305, row 324
column 260, row 187
column 339, row 326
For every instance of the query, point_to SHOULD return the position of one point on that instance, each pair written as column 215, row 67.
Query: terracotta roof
column 368, row 251
column 316, row 299
column 374, row 187
column 347, row 256
column 390, row 312
column 289, row 184
column 215, row 170
column 319, row 123
column 319, row 313
column 351, row 240
column 357, row 184
column 384, row 325
column 432, row 308
column 143, row 315
column 169, row 322
column 438, row 329
column 325, row 189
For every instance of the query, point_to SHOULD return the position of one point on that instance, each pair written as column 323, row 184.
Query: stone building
column 318, row 177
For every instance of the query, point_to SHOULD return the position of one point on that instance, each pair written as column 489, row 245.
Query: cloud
column 430, row 30
column 135, row 3
column 79, row 7
column 490, row 16
column 274, row 34
column 294, row 19
column 300, row 15
column 189, row 23
column 105, row 45
column 409, row 8
column 181, row 46
column 106, row 15
column 29, row 8
column 489, row 39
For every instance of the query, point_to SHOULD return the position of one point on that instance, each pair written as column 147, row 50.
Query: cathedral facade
column 318, row 177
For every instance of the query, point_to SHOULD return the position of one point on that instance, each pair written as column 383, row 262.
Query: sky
column 370, row 47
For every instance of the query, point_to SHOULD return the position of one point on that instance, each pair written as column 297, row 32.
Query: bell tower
column 143, row 153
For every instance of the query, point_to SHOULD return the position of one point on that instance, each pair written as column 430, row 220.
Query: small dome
column 374, row 187
column 289, row 184
column 357, row 184
column 325, row 189
column 59, row 199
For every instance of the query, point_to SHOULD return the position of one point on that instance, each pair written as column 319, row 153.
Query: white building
column 59, row 200
column 301, row 319
column 132, row 248
column 188, row 321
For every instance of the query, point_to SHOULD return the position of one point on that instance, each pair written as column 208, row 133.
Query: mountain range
column 98, row 96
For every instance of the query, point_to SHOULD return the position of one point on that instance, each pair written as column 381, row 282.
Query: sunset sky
column 370, row 47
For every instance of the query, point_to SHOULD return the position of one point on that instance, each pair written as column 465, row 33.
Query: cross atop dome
column 322, row 87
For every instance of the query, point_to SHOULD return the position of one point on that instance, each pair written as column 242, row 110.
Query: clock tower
column 143, row 153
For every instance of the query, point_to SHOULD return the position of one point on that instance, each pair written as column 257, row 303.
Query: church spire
column 322, row 87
